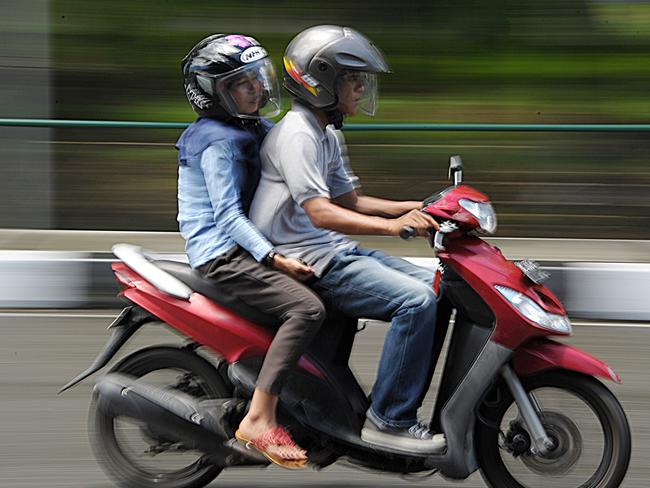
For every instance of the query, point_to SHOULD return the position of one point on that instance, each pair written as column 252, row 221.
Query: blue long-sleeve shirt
column 215, row 189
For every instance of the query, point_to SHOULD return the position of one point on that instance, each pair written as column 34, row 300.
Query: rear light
column 122, row 279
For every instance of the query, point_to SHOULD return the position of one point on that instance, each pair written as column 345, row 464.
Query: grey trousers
column 270, row 297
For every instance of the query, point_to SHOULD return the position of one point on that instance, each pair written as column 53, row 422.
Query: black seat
column 192, row 278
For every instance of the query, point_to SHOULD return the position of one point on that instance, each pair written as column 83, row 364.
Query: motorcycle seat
column 192, row 278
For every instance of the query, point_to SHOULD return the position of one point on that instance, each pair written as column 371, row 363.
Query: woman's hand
column 294, row 268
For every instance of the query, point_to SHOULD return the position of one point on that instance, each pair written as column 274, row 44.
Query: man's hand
column 294, row 268
column 407, row 206
column 420, row 221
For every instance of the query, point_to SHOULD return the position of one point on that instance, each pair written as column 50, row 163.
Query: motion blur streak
column 505, row 61
column 44, row 435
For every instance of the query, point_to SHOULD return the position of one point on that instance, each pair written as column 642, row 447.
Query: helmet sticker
column 196, row 97
column 241, row 41
column 253, row 53
column 305, row 80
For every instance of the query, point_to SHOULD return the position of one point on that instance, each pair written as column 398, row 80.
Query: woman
column 231, row 84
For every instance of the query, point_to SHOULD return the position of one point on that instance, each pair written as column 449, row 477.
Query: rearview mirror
column 456, row 169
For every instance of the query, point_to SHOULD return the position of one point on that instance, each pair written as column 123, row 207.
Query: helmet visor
column 249, row 92
column 358, row 90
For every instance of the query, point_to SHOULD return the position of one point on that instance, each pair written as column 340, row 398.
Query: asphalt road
column 44, row 438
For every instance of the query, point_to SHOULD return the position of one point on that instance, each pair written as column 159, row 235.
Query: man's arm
column 376, row 206
column 325, row 214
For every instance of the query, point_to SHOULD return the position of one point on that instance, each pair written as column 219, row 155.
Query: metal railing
column 348, row 127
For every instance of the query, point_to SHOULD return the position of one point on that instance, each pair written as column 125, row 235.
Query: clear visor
column 359, row 89
column 249, row 92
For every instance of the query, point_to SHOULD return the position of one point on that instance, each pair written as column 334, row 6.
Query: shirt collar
column 311, row 118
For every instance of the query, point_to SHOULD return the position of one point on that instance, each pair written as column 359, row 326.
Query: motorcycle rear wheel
column 505, row 459
column 112, row 452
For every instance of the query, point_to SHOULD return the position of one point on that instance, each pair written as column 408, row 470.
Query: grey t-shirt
column 300, row 161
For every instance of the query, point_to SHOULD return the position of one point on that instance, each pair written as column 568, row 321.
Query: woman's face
column 247, row 93
column 351, row 89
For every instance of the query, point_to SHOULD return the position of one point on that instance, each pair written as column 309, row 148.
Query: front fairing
column 444, row 205
column 483, row 266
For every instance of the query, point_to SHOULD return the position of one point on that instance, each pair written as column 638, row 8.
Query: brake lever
column 446, row 227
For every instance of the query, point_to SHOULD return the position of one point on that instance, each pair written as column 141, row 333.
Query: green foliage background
column 571, row 61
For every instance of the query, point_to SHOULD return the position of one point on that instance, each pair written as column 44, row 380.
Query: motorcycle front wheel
column 133, row 455
column 582, row 417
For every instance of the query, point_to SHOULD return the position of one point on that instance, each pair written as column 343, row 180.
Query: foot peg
column 250, row 454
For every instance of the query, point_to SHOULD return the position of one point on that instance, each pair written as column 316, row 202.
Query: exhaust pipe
column 201, row 425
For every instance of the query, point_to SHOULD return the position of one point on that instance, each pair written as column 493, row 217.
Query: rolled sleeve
column 223, row 178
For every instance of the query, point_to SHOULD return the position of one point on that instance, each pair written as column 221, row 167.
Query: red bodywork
column 205, row 321
column 448, row 208
column 542, row 354
column 480, row 264
column 483, row 266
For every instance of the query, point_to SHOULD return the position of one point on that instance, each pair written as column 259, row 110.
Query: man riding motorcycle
column 306, row 201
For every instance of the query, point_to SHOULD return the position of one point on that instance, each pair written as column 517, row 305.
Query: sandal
column 277, row 436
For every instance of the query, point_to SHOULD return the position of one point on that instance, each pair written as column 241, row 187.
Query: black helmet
column 217, row 63
column 315, row 60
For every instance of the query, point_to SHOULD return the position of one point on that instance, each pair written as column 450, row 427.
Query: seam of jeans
column 382, row 422
column 374, row 294
column 398, row 383
column 410, row 311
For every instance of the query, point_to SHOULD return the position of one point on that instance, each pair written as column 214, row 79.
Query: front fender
column 543, row 354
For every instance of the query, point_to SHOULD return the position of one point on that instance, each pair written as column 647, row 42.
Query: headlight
column 483, row 212
column 535, row 313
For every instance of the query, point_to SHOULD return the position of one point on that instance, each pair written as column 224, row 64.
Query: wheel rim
column 583, row 443
column 149, row 455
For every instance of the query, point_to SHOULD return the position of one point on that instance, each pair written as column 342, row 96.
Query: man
column 306, row 201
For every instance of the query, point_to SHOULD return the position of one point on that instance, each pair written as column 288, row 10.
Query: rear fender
column 543, row 354
column 122, row 328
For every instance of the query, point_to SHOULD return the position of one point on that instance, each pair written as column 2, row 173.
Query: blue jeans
column 369, row 283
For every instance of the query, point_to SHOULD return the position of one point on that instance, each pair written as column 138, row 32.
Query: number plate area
column 533, row 271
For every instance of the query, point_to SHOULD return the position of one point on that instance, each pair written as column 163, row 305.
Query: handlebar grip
column 407, row 232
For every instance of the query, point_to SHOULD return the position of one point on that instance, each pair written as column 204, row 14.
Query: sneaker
column 416, row 438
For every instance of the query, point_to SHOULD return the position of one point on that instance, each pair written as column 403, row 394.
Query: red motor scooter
column 523, row 409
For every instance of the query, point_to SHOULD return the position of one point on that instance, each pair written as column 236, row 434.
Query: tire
column 498, row 463
column 111, row 451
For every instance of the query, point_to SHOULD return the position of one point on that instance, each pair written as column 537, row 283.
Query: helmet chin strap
column 335, row 117
column 333, row 114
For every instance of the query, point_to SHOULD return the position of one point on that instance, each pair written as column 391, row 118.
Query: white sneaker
column 417, row 438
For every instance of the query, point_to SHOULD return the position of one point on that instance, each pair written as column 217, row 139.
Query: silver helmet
column 317, row 58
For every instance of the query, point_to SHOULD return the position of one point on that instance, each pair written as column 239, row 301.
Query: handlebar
column 437, row 242
column 407, row 232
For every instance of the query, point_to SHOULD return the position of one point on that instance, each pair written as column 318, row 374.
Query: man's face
column 352, row 86
column 247, row 93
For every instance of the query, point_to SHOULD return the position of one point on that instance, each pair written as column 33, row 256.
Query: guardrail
column 60, row 279
column 348, row 127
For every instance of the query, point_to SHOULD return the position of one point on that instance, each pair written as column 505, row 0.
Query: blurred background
column 461, row 61
column 503, row 61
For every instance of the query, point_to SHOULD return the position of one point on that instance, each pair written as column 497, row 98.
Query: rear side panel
column 206, row 322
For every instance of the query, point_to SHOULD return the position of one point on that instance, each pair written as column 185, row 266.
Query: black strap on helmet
column 334, row 117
